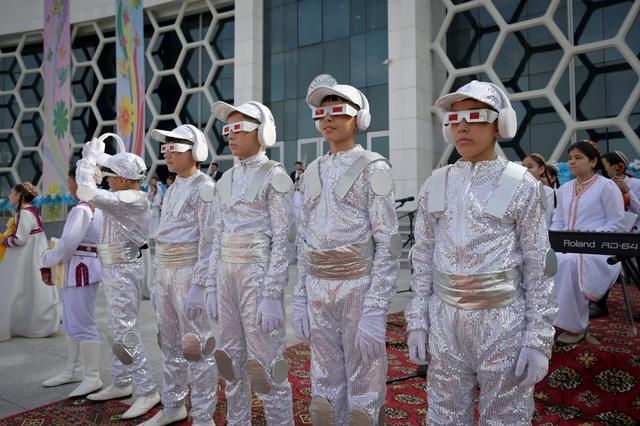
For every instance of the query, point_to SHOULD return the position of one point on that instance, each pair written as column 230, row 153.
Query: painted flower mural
column 125, row 115
column 61, row 119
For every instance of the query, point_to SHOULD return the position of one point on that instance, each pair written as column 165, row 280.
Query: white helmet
column 489, row 94
column 255, row 110
column 185, row 132
column 316, row 94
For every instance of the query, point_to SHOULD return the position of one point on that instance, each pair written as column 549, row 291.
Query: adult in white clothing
column 28, row 307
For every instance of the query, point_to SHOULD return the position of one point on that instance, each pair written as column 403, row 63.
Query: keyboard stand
column 631, row 273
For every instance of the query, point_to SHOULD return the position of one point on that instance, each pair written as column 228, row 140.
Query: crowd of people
column 487, row 288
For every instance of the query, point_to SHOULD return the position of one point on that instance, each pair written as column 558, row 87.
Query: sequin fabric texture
column 186, row 218
column 470, row 347
column 123, row 222
column 241, row 287
column 338, row 372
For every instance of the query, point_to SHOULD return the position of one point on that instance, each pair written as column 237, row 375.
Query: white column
column 248, row 62
column 415, row 141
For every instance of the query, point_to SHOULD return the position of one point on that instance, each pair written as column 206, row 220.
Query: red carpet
column 586, row 384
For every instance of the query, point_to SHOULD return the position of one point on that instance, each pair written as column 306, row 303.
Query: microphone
column 405, row 200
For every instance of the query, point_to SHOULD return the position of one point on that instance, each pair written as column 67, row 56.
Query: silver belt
column 113, row 253
column 178, row 255
column 341, row 263
column 478, row 291
column 245, row 248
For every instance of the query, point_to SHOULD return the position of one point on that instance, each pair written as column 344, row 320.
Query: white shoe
column 167, row 416
column 141, row 406
column 91, row 361
column 72, row 371
column 111, row 392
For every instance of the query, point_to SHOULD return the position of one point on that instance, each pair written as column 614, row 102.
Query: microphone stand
column 631, row 272
column 421, row 370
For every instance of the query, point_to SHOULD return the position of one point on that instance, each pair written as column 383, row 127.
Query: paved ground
column 26, row 363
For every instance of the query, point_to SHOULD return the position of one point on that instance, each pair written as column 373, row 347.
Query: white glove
column 91, row 150
column 372, row 328
column 212, row 306
column 536, row 363
column 194, row 302
column 270, row 314
column 417, row 343
column 301, row 318
column 154, row 298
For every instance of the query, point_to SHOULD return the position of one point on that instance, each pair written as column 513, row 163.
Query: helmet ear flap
column 507, row 123
column 447, row 132
column 363, row 119
column 267, row 129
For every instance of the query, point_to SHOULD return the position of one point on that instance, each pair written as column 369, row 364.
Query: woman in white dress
column 155, row 198
column 590, row 202
column 28, row 307
column 536, row 165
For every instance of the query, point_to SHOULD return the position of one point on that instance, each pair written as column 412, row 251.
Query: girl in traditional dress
column 536, row 165
column 590, row 202
column 28, row 307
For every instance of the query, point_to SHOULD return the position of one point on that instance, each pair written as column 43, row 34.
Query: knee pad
column 123, row 349
column 321, row 412
column 193, row 349
column 261, row 380
column 225, row 365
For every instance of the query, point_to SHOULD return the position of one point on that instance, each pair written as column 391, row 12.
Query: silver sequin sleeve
column 214, row 254
column 123, row 221
column 416, row 312
column 206, row 218
column 533, row 238
column 280, row 206
column 384, row 225
column 302, row 223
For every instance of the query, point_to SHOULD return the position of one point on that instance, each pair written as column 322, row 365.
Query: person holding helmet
column 483, row 271
column 126, row 212
column 253, row 227
column 182, row 298
column 348, row 262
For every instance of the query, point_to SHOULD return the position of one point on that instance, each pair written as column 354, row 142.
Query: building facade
column 570, row 67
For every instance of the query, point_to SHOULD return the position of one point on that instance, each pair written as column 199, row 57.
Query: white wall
column 415, row 141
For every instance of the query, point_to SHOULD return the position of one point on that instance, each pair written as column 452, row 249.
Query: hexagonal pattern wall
column 189, row 66
column 571, row 68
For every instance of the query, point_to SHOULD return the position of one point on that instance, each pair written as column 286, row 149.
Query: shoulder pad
column 128, row 196
column 207, row 192
column 281, row 182
column 312, row 179
column 381, row 183
column 436, row 203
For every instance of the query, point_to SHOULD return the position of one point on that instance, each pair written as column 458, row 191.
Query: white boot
column 91, row 361
column 72, row 371
column 111, row 392
column 141, row 406
column 166, row 416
